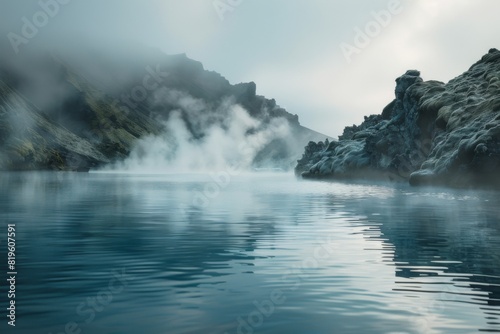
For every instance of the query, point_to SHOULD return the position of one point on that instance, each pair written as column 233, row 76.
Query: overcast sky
column 290, row 48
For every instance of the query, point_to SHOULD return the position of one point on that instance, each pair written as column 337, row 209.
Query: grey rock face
column 84, row 118
column 431, row 134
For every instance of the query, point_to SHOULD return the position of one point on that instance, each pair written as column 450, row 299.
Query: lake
column 251, row 253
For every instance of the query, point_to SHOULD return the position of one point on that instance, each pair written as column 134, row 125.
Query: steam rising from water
column 200, row 134
column 200, row 138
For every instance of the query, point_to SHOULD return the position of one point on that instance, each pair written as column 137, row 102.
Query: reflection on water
column 107, row 253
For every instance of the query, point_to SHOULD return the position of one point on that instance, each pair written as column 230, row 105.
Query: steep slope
column 432, row 133
column 64, row 114
column 29, row 140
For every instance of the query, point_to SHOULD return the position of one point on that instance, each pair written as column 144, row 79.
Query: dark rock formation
column 432, row 134
column 67, row 114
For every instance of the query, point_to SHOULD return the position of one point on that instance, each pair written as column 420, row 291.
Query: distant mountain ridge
column 62, row 114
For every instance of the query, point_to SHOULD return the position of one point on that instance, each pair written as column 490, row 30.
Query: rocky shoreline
column 432, row 133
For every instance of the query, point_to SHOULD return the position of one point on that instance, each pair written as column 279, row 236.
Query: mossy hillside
column 432, row 133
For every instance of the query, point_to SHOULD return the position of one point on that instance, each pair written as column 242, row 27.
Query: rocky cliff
column 67, row 114
column 433, row 133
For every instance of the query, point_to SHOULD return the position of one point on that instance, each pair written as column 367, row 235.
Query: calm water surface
column 265, row 253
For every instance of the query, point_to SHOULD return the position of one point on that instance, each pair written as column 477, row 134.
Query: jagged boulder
column 432, row 133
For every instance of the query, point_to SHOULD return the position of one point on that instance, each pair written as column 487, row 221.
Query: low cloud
column 199, row 138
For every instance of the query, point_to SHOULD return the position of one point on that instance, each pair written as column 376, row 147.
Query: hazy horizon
column 299, row 53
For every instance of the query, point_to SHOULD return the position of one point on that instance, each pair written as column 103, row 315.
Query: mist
column 113, row 55
column 197, row 138
column 428, row 35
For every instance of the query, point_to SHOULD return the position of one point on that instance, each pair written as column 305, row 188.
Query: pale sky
column 290, row 48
